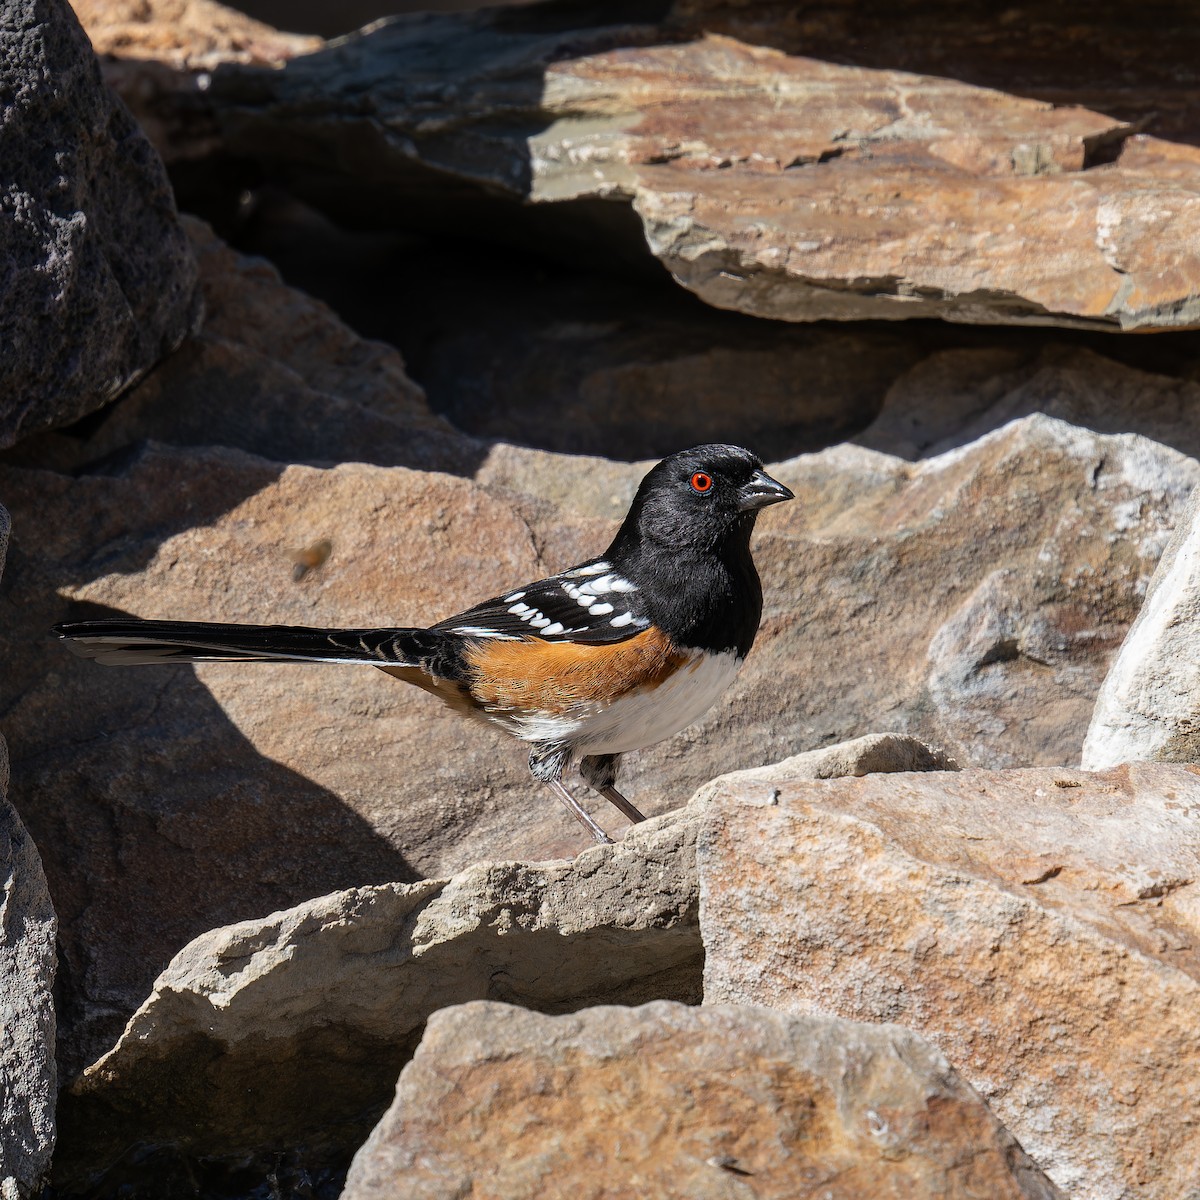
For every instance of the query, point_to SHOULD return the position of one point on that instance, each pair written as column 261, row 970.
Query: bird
column 600, row 660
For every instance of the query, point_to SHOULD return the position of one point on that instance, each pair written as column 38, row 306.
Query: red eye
column 701, row 482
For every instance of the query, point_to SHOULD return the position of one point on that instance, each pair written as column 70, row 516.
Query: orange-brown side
column 556, row 677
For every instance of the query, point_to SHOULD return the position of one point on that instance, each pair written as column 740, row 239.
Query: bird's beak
column 761, row 491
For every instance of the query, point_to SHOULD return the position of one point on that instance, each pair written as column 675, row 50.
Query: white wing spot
column 514, row 596
column 480, row 631
column 600, row 610
column 520, row 609
column 622, row 585
column 626, row 618
column 539, row 622
column 595, row 569
column 551, row 630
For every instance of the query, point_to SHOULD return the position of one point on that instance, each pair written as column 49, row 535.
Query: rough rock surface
column 289, row 1031
column 885, row 607
column 666, row 1100
column 93, row 261
column 192, row 34
column 27, row 931
column 807, row 190
column 1102, row 55
column 1149, row 704
column 1038, row 926
column 27, row 1075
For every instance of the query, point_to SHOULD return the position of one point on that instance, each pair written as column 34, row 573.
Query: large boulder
column 666, row 1100
column 1038, row 926
column 97, row 282
column 285, row 1033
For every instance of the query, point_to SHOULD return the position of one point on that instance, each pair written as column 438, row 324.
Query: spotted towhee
column 613, row 655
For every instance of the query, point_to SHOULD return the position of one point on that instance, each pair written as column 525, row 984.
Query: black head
column 702, row 498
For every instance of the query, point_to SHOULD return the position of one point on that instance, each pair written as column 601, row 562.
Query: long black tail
column 127, row 642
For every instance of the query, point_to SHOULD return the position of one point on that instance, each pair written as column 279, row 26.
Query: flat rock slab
column 288, row 1032
column 1039, row 926
column 28, row 1080
column 775, row 185
column 97, row 282
column 664, row 1100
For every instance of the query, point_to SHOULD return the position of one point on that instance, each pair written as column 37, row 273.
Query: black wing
column 592, row 603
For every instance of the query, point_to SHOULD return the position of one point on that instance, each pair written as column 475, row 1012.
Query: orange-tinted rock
column 1038, row 926
column 192, row 34
column 665, row 1100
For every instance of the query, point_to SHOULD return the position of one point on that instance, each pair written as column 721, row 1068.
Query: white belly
column 639, row 718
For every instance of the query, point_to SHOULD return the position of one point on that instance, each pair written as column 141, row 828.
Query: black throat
column 703, row 598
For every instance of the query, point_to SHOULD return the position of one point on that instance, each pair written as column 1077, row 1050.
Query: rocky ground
column 356, row 332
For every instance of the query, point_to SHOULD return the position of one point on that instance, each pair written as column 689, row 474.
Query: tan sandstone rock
column 708, row 1103
column 955, row 396
column 1038, row 926
column 194, row 34
column 779, row 186
column 285, row 1033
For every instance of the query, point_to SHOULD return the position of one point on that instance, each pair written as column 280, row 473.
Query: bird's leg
column 599, row 772
column 548, row 766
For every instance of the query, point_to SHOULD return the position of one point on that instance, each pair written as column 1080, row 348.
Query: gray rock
column 96, row 279
column 27, row 957
column 1149, row 704
column 712, row 1103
